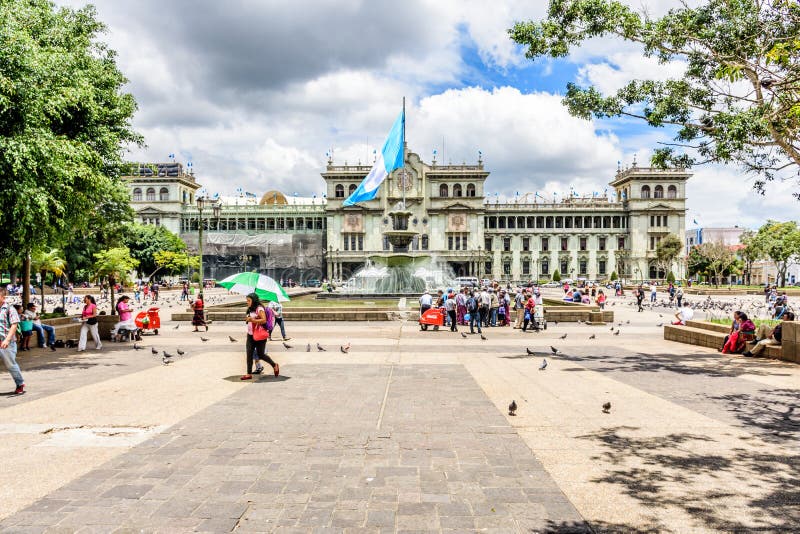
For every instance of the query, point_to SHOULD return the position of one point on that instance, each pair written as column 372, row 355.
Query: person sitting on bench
column 769, row 339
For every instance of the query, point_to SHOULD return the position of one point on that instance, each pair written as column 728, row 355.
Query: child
column 25, row 328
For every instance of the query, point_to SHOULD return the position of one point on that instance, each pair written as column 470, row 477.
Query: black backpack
column 472, row 304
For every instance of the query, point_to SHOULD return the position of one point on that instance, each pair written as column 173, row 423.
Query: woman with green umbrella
column 258, row 327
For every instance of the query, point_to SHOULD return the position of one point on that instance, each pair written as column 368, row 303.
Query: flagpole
column 405, row 178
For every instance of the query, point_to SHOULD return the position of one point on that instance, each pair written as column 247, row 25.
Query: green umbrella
column 265, row 287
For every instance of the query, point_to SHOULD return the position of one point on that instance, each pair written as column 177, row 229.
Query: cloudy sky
column 255, row 93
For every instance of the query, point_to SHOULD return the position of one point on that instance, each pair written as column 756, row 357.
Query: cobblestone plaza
column 408, row 432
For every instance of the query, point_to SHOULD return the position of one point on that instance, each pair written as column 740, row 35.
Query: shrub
column 614, row 275
column 556, row 276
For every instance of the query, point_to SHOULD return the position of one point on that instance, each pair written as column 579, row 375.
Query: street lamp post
column 200, row 204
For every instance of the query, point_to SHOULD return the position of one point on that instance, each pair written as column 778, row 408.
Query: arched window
column 658, row 192
column 470, row 190
column 185, row 196
column 645, row 191
column 339, row 191
column 151, row 193
column 443, row 190
column 672, row 192
column 163, row 194
column 351, row 189
column 457, row 190
column 424, row 241
column 137, row 194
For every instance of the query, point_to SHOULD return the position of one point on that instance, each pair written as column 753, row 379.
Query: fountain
column 398, row 273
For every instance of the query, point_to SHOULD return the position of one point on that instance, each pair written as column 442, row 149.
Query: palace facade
column 302, row 238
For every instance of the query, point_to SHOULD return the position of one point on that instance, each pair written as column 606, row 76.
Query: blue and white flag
column 390, row 158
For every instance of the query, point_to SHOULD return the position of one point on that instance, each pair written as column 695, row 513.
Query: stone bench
column 708, row 335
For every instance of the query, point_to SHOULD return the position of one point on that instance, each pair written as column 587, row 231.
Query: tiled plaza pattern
column 322, row 452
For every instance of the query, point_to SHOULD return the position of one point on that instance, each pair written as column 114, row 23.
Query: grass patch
column 758, row 322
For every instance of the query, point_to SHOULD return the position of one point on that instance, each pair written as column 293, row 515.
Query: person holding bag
column 89, row 320
column 257, row 334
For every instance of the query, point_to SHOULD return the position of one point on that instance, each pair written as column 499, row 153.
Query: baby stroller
column 538, row 322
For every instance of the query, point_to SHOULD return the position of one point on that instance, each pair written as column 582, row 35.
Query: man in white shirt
column 277, row 310
column 425, row 302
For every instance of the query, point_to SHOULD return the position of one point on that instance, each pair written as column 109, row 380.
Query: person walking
column 199, row 317
column 450, row 307
column 653, row 291
column 185, row 292
column 639, row 297
column 473, row 305
column 89, row 324
column 425, row 302
column 461, row 306
column 530, row 306
column 679, row 296
column 483, row 307
column 9, row 320
column 519, row 308
column 277, row 312
column 257, row 334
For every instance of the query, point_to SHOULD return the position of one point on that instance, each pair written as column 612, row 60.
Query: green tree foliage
column 670, row 277
column 613, row 276
column 667, row 251
column 780, row 242
column 63, row 121
column 750, row 253
column 739, row 98
column 100, row 228
column 175, row 262
column 556, row 276
column 114, row 264
column 45, row 262
column 144, row 241
column 714, row 258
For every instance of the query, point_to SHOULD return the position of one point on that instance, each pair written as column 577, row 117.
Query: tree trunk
column 41, row 288
column 111, row 289
column 26, row 279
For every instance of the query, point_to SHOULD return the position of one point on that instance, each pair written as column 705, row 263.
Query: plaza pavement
column 407, row 432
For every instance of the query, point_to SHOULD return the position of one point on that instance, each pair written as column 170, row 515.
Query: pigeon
column 154, row 351
column 553, row 349
column 177, row 326
column 166, row 361
column 543, row 366
column 203, row 339
column 463, row 335
column 343, row 349
column 607, row 407
column 232, row 339
column 591, row 337
column 308, row 347
column 616, row 333
column 612, row 328
column 529, row 351
column 563, row 337
column 628, row 322
column 168, row 355
column 555, row 323
column 483, row 337
column 512, row 408
column 286, row 345
column 137, row 347
column 320, row 347
column 660, row 324
column 180, row 352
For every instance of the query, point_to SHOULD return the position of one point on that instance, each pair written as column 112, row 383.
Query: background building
column 455, row 223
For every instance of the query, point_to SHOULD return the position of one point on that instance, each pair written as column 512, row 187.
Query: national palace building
column 526, row 239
